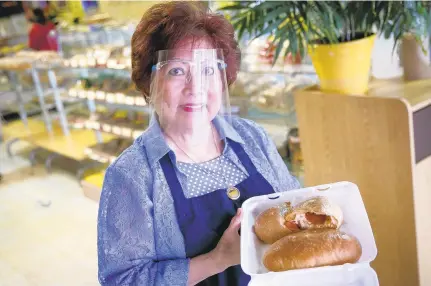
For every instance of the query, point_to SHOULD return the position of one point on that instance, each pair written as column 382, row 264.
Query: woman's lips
column 192, row 107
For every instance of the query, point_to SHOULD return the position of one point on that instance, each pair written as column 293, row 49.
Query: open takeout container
column 356, row 222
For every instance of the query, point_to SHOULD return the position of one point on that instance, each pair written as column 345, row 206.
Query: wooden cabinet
column 382, row 142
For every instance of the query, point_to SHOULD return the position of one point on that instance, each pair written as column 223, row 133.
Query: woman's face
column 189, row 87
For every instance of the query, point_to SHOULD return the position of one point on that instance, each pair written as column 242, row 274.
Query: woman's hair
column 165, row 24
column 39, row 16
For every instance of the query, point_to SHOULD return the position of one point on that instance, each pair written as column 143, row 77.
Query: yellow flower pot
column 345, row 67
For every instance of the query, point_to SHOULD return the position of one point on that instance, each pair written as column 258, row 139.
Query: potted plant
column 338, row 35
column 409, row 24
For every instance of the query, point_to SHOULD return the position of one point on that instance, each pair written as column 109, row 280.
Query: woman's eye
column 176, row 71
column 208, row 71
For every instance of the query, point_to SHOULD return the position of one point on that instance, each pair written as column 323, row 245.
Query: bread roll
column 313, row 213
column 316, row 213
column 270, row 225
column 312, row 248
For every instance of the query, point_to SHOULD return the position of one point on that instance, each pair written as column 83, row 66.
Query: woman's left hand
column 223, row 256
column 227, row 252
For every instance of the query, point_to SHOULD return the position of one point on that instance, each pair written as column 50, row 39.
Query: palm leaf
column 302, row 22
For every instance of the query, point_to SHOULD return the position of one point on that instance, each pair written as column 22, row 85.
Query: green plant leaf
column 306, row 21
column 236, row 6
column 269, row 28
column 269, row 17
column 280, row 43
column 301, row 27
column 241, row 30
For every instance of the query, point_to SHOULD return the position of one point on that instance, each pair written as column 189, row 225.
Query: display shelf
column 102, row 56
column 25, row 60
column 89, row 63
column 102, row 123
column 122, row 130
column 99, row 156
column 77, row 119
column 293, row 70
column 13, row 108
column 72, row 146
column 269, row 95
column 121, row 123
column 119, row 100
column 32, row 107
column 107, row 152
column 121, row 73
column 96, row 19
column 18, row 130
column 8, row 97
column 92, row 185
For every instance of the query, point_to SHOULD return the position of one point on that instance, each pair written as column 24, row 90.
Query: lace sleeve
column 285, row 180
column 126, row 243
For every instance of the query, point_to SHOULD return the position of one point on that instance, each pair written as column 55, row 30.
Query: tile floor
column 47, row 226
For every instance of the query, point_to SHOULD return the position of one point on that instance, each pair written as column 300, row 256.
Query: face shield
column 189, row 90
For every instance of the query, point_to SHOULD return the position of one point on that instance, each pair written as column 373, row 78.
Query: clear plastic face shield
column 189, row 90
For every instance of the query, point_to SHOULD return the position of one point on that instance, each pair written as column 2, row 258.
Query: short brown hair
column 165, row 24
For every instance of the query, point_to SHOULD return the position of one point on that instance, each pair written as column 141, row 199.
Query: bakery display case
column 107, row 152
column 101, row 38
column 93, row 70
column 269, row 85
column 18, row 68
column 120, row 123
column 56, row 132
column 264, row 92
column 110, row 88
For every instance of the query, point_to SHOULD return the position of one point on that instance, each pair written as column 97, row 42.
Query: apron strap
column 180, row 201
column 243, row 157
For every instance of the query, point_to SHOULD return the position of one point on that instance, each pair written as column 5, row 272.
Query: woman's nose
column 194, row 82
column 188, row 77
column 193, row 88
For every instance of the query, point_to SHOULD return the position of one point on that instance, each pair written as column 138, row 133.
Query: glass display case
column 95, row 70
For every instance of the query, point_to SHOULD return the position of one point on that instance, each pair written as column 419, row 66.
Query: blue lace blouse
column 139, row 239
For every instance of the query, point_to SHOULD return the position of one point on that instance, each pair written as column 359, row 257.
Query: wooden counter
column 382, row 142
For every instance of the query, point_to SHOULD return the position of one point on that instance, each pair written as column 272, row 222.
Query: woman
column 170, row 207
column 39, row 38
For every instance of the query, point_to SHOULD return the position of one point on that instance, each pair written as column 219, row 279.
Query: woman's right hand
column 227, row 252
column 223, row 256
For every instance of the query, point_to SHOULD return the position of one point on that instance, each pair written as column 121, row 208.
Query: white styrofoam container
column 356, row 222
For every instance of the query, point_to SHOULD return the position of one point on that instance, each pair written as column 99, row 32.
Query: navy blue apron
column 204, row 219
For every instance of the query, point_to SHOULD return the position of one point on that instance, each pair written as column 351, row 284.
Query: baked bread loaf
column 313, row 213
column 312, row 248
column 270, row 225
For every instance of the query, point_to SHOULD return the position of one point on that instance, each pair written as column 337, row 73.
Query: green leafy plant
column 302, row 23
column 413, row 17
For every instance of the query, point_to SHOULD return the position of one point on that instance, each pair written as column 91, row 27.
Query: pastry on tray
column 312, row 248
column 316, row 212
column 305, row 235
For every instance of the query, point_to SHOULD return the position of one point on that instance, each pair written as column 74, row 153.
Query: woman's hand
column 223, row 256
column 227, row 251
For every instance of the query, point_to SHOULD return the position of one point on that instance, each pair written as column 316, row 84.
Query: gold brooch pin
column 233, row 193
